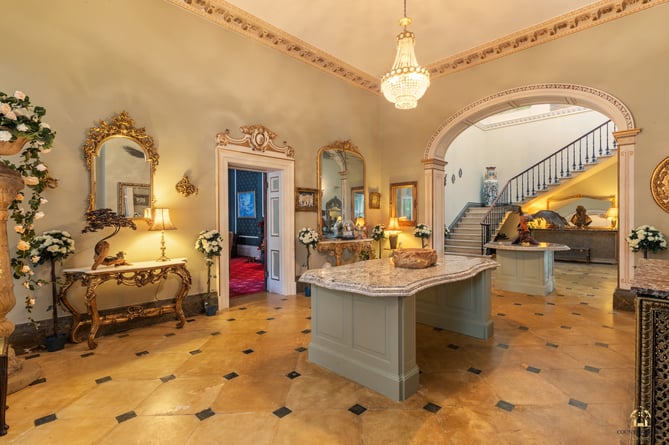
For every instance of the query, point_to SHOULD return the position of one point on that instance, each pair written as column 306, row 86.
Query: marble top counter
column 133, row 266
column 380, row 278
column 499, row 245
column 651, row 277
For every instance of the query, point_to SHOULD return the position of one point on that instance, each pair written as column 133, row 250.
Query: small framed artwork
column 246, row 204
column 306, row 200
column 133, row 199
column 374, row 200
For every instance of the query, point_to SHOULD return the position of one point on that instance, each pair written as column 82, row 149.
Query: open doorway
column 246, row 220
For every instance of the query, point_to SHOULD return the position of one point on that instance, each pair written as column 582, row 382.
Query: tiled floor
column 559, row 370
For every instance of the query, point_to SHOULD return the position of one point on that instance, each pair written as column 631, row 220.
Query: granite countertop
column 525, row 247
column 651, row 277
column 380, row 277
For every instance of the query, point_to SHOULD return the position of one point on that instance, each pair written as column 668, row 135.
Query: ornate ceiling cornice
column 237, row 20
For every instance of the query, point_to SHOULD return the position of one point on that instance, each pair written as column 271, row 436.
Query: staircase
column 465, row 235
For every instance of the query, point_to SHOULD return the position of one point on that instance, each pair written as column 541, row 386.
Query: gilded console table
column 336, row 247
column 137, row 274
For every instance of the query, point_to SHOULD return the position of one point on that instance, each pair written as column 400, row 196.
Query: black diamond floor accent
column 432, row 407
column 230, row 376
column 28, row 357
column 308, row 318
column 551, row 345
column 242, row 308
column 437, row 328
column 248, row 351
column 231, row 319
column 576, row 313
column 141, row 353
column 38, row 381
column 539, row 314
column 578, row 404
column 103, row 379
column 357, row 409
column 261, row 332
column 607, row 326
column 170, row 334
column 45, row 419
column 190, row 320
column 167, row 378
column 591, row 368
column 123, row 335
column 501, row 314
column 270, row 318
column 517, row 304
column 195, row 352
column 126, row 416
column 603, row 345
column 503, row 346
column 533, row 369
column 505, row 405
column 293, row 375
column 87, row 354
column 564, row 326
column 205, row 414
column 475, row 371
column 584, row 303
column 301, row 349
column 306, row 331
column 214, row 334
column 523, row 328
column 452, row 346
column 550, row 303
column 282, row 412
column 278, row 308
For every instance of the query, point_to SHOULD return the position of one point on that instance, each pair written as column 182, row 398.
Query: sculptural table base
column 139, row 275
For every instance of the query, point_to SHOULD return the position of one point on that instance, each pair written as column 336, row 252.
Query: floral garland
column 422, row 231
column 20, row 119
column 646, row 238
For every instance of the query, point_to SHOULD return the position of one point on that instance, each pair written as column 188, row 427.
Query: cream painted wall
column 185, row 80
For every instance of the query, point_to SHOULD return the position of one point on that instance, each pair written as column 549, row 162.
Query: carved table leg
column 92, row 306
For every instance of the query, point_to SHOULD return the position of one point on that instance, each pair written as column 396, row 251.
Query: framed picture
column 246, row 204
column 374, row 200
column 306, row 200
column 133, row 199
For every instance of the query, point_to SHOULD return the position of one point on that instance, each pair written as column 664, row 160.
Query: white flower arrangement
column 422, row 231
column 210, row 243
column 378, row 232
column 646, row 238
column 308, row 236
column 53, row 245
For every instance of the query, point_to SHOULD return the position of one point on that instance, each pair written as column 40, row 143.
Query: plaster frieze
column 241, row 22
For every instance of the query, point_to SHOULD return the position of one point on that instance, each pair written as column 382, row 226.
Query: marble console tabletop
column 651, row 278
column 525, row 247
column 380, row 278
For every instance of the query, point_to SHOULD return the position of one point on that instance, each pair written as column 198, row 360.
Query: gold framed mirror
column 341, row 185
column 121, row 160
column 404, row 202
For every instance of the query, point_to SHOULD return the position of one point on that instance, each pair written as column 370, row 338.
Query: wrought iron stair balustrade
column 563, row 164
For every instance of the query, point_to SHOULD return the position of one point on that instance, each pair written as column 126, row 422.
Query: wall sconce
column 612, row 215
column 393, row 232
column 185, row 187
column 161, row 221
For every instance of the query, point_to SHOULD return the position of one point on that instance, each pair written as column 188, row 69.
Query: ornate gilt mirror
column 341, row 182
column 403, row 202
column 121, row 160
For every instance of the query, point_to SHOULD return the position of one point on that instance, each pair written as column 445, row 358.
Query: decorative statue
column 580, row 218
column 524, row 235
column 99, row 219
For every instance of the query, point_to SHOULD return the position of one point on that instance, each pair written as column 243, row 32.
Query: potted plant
column 309, row 237
column 51, row 247
column 646, row 238
column 377, row 235
column 422, row 231
column 210, row 243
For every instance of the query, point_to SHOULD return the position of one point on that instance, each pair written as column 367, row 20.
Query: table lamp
column 393, row 232
column 612, row 215
column 161, row 221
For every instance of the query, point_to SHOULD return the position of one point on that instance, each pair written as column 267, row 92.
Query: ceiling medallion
column 659, row 184
column 406, row 82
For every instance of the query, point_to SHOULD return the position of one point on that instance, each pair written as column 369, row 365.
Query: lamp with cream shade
column 612, row 215
column 161, row 221
column 393, row 232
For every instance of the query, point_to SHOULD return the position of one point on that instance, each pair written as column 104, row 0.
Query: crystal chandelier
column 406, row 82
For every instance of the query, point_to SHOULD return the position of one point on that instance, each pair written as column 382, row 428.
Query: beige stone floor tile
column 80, row 431
column 457, row 388
column 257, row 428
column 521, row 387
column 181, row 396
column 110, row 399
column 321, row 391
column 592, row 387
column 597, row 356
column 327, row 426
column 151, row 366
column 252, row 393
column 152, row 430
column 402, row 427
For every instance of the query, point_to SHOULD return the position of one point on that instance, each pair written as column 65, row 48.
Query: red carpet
column 246, row 277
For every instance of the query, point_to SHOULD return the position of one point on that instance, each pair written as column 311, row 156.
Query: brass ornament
column 185, row 187
column 257, row 138
column 659, row 184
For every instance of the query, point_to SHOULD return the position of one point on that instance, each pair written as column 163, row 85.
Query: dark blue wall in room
column 246, row 229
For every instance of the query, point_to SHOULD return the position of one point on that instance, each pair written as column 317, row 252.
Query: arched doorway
column 530, row 95
column 256, row 150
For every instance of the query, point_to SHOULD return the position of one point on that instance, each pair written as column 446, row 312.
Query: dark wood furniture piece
column 589, row 245
column 651, row 416
column 137, row 274
column 4, row 374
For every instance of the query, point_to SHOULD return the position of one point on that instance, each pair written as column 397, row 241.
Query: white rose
column 41, row 167
column 22, row 245
column 30, row 180
column 5, row 136
column 19, row 228
column 39, row 215
column 20, row 95
column 44, row 125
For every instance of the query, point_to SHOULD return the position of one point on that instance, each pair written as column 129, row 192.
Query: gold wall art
column 659, row 184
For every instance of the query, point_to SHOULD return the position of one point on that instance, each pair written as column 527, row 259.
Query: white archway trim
column 537, row 94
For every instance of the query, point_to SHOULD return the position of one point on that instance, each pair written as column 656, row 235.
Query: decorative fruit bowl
column 415, row 258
